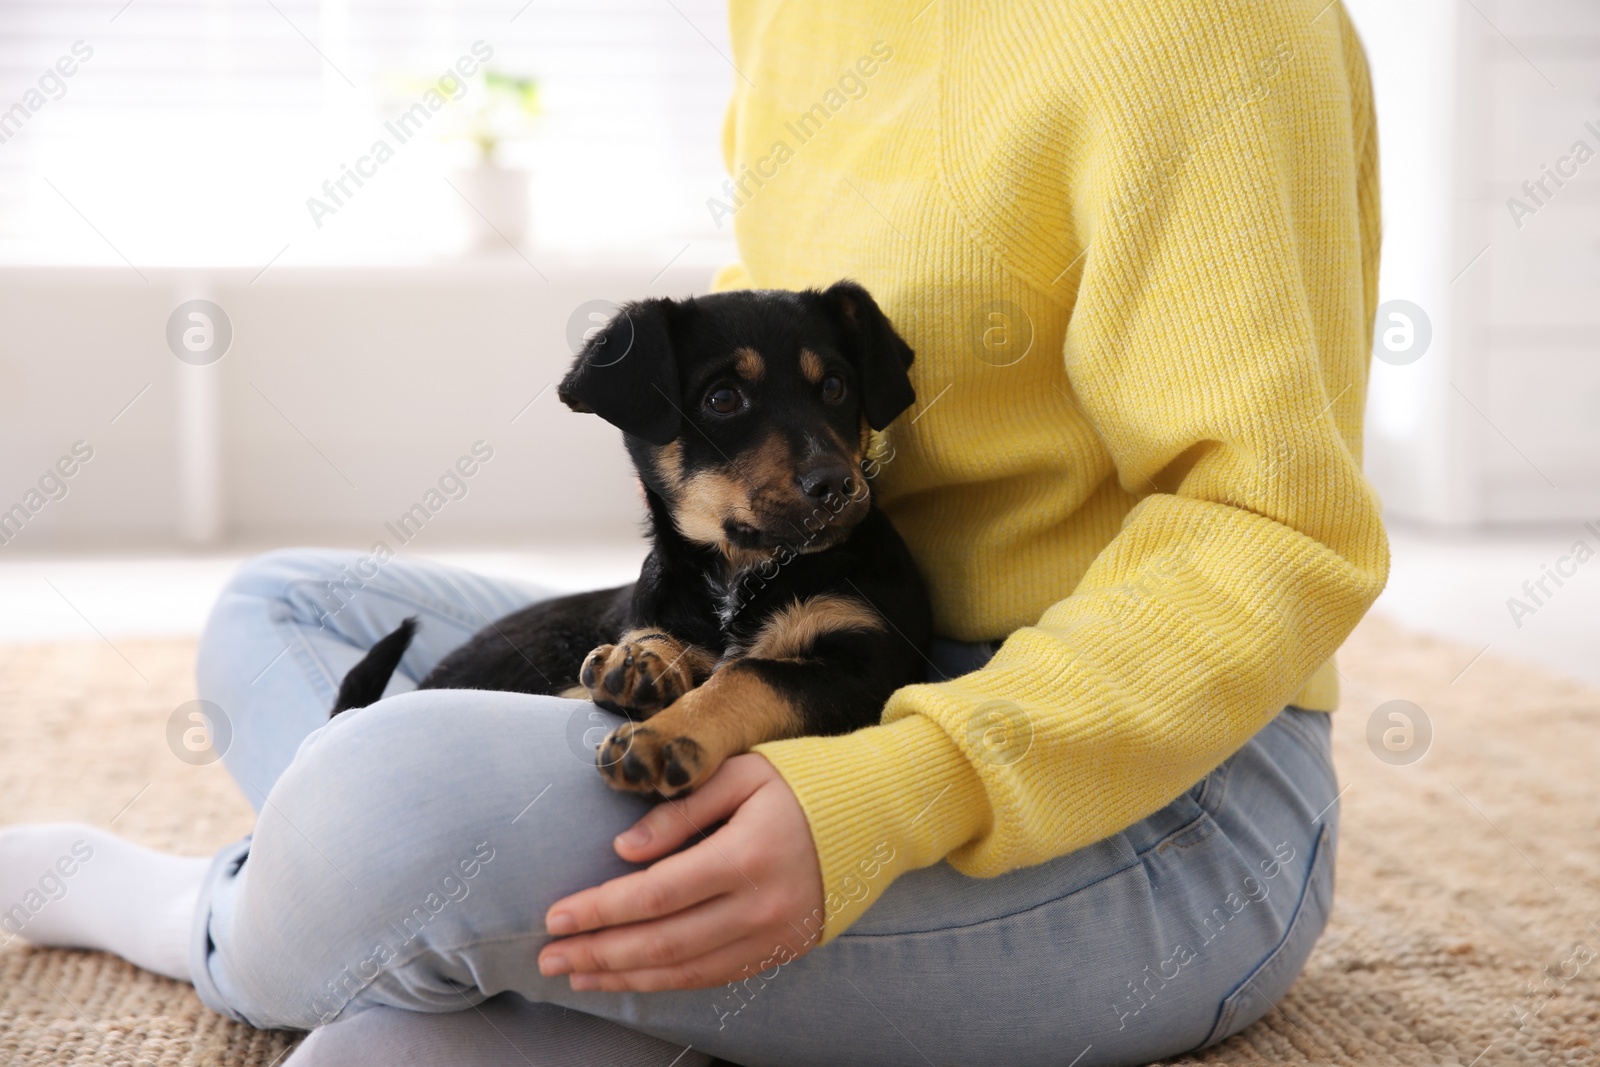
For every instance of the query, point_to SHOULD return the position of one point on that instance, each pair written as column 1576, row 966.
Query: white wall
column 1499, row 422
column 1412, row 438
column 345, row 396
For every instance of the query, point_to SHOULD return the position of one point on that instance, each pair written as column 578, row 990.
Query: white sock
column 74, row 886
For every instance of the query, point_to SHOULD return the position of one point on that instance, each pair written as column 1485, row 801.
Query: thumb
column 672, row 822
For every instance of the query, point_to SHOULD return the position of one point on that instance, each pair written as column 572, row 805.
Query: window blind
column 195, row 132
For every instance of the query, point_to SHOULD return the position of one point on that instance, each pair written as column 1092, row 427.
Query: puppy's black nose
column 823, row 482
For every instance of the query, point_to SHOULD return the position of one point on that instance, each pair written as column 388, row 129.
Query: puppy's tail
column 366, row 681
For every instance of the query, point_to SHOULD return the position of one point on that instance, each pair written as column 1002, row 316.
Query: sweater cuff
column 881, row 801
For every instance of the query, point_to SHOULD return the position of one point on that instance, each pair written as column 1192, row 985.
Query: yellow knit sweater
column 1135, row 247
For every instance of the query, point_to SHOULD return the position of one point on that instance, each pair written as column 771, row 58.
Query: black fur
column 653, row 371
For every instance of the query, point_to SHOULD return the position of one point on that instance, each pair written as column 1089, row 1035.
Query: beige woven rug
column 1468, row 894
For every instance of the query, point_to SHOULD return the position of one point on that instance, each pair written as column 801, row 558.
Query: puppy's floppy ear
column 882, row 355
column 628, row 375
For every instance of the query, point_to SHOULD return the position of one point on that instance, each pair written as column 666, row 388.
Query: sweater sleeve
column 1198, row 351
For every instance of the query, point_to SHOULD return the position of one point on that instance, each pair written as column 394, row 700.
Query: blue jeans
column 404, row 855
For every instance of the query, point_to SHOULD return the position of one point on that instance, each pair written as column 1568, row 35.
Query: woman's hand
column 744, row 899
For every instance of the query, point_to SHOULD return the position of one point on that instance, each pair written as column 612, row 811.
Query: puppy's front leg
column 644, row 672
column 815, row 667
column 679, row 748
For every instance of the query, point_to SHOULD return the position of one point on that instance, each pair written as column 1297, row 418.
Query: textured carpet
column 1465, row 932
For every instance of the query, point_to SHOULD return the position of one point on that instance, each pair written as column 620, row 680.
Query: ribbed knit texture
column 1159, row 495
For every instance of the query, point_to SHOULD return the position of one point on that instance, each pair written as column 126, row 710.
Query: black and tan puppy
column 777, row 600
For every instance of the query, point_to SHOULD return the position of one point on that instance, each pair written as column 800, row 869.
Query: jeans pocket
column 1209, row 791
column 1267, row 984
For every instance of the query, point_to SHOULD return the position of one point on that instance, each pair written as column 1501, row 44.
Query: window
column 194, row 132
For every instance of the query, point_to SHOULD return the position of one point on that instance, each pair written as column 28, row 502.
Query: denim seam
column 200, row 944
column 1228, row 1010
column 1209, row 803
column 1213, row 804
column 311, row 666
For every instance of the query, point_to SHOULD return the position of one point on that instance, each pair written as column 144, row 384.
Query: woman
column 1135, row 249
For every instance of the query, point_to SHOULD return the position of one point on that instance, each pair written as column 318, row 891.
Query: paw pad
column 637, row 759
column 631, row 678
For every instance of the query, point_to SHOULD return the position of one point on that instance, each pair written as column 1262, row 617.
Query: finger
column 672, row 822
column 678, row 938
column 744, row 958
column 677, row 882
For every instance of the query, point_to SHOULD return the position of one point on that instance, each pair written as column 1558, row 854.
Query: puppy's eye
column 724, row 400
column 833, row 388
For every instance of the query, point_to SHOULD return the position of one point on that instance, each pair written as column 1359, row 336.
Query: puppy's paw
column 636, row 758
column 637, row 678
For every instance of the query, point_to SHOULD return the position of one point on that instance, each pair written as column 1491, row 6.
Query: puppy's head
column 748, row 412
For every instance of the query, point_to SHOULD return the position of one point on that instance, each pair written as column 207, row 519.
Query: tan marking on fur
column 748, row 362
column 575, row 692
column 792, row 632
column 811, row 366
column 769, row 466
column 743, row 559
column 708, row 498
column 669, row 463
column 731, row 713
column 734, row 711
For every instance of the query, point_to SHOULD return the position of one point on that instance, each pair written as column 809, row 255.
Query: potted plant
column 496, row 109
